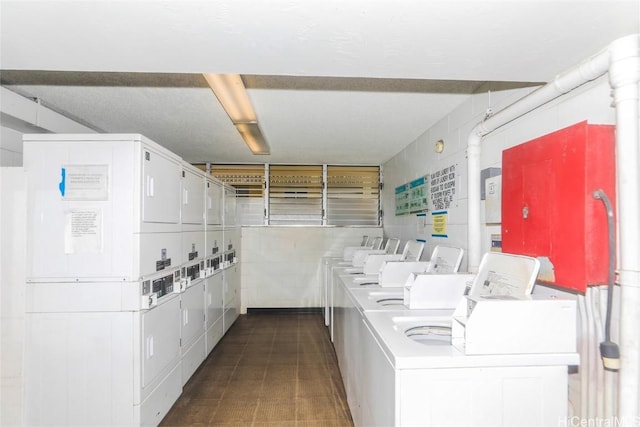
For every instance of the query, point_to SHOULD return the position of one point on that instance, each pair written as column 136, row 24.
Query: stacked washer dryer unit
column 115, row 316
column 214, row 304
column 193, row 272
column 231, row 249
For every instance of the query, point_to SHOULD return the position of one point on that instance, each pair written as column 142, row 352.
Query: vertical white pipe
column 585, row 346
column 596, row 306
column 624, row 74
column 607, row 376
column 474, row 238
column 592, row 360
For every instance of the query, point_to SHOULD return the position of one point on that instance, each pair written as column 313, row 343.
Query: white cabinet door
column 231, row 287
column 158, row 251
column 161, row 183
column 378, row 377
column 193, row 191
column 214, row 202
column 192, row 324
column 229, row 206
column 79, row 369
column 214, row 243
column 231, row 298
column 160, row 339
column 213, row 299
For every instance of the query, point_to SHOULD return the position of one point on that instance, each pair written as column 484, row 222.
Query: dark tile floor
column 270, row 369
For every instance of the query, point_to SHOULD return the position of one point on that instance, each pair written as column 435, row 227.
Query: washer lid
column 505, row 275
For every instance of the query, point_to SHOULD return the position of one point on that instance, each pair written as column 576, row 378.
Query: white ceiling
column 348, row 81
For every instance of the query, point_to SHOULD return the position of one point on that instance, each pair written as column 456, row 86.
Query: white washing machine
column 501, row 360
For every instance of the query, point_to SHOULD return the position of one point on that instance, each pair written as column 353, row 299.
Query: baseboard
column 285, row 310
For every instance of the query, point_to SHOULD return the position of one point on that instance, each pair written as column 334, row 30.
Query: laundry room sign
column 402, row 200
column 413, row 197
column 443, row 186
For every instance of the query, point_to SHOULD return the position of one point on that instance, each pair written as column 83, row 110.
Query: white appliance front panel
column 160, row 340
column 79, row 369
column 154, row 408
column 213, row 299
column 192, row 324
column 158, row 252
column 193, row 246
column 75, row 232
column 229, row 206
column 214, row 202
column 214, row 242
column 230, row 289
column 192, row 358
column 214, row 334
column 87, row 197
column 230, row 316
column 161, row 184
column 524, row 396
column 193, row 196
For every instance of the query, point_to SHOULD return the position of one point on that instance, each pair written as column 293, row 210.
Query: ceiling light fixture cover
column 230, row 91
column 253, row 137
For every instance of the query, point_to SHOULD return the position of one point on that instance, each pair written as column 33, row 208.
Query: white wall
column 13, row 206
column 10, row 147
column 281, row 266
column 22, row 115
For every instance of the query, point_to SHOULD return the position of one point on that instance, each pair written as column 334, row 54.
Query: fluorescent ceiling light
column 253, row 137
column 230, row 91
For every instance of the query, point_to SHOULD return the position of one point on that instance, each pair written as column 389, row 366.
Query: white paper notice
column 85, row 182
column 83, row 231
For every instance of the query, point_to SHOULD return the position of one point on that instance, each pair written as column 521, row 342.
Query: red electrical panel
column 548, row 209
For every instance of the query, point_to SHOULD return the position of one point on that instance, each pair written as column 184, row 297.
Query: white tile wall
column 10, row 147
column 12, row 299
column 281, row 266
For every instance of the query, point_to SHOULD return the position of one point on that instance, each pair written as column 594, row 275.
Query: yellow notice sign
column 439, row 221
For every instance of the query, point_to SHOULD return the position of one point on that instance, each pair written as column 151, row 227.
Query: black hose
column 608, row 349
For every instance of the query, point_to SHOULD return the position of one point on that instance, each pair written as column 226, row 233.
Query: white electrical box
column 493, row 200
